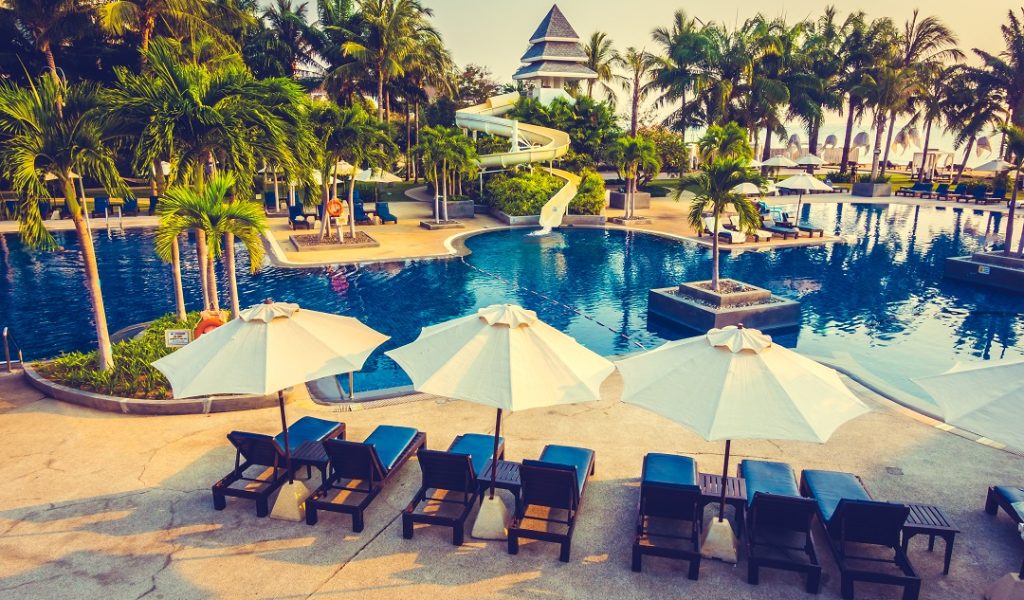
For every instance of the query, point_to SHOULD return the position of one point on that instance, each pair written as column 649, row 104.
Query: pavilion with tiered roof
column 554, row 58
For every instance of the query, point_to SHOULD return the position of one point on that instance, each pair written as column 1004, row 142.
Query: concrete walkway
column 109, row 506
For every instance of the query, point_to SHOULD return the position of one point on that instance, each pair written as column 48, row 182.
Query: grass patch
column 133, row 375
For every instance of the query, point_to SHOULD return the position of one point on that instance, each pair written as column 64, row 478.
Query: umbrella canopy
column 809, row 160
column 831, row 141
column 739, row 385
column 377, row 176
column 982, row 398
column 746, row 189
column 804, row 183
column 994, row 166
column 754, row 163
column 502, row 356
column 779, row 161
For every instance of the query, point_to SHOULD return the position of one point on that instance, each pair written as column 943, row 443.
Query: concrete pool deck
column 108, row 506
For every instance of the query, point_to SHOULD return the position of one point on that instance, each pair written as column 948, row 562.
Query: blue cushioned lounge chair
column 805, row 227
column 267, row 453
column 454, row 477
column 768, row 224
column 1005, row 496
column 779, row 523
column 555, row 481
column 362, row 469
column 130, row 207
column 853, row 520
column 669, row 491
column 297, row 218
column 360, row 214
column 384, row 213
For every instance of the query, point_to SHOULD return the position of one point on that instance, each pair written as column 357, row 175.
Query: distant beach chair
column 297, row 218
column 130, row 207
column 384, row 213
column 914, row 190
column 360, row 214
column 941, row 190
column 729, row 235
column 998, row 195
column 760, row 235
column 768, row 224
column 805, row 227
column 669, row 492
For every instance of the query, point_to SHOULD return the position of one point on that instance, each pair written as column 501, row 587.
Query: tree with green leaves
column 51, row 24
column 1003, row 73
column 972, row 109
column 637, row 80
column 601, row 59
column 724, row 156
column 1015, row 150
column 367, row 144
column 633, row 155
column 288, row 24
column 179, row 17
column 684, row 48
column 448, row 156
column 41, row 138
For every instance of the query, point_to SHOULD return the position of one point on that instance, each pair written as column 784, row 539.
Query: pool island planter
column 150, row 407
column 618, row 200
column 871, row 190
column 699, row 308
column 458, row 209
column 432, row 225
column 991, row 269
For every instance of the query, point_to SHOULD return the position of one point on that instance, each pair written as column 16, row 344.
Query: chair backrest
column 782, row 513
column 868, row 522
column 943, row 188
column 999, row 193
column 447, row 470
column 101, row 203
column 360, row 212
column 670, row 501
column 257, row 448
column 383, row 209
column 153, row 201
column 295, row 211
column 979, row 191
column 549, row 484
column 131, row 203
column 354, row 460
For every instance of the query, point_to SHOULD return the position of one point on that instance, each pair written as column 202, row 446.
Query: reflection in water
column 880, row 300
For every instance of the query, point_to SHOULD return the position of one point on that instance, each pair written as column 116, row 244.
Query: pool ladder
column 8, row 341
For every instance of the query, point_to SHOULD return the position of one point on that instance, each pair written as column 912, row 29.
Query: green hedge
column 132, row 375
column 523, row 193
column 589, row 198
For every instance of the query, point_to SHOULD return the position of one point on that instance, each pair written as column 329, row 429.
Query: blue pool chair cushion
column 570, row 456
column 1012, row 495
column 390, row 441
column 669, row 469
column 829, row 487
column 306, row 429
column 478, row 446
column 768, row 477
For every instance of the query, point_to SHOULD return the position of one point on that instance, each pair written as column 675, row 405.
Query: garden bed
column 312, row 242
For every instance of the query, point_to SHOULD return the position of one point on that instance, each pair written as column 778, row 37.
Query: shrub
column 523, row 193
column 589, row 199
column 879, row 179
column 133, row 375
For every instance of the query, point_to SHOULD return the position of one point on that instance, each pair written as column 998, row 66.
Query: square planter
column 618, row 200
column 988, row 269
column 519, row 220
column 701, row 309
column 431, row 225
column 595, row 220
column 460, row 209
column 872, row 190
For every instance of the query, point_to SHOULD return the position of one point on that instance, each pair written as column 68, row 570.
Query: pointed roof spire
column 555, row 27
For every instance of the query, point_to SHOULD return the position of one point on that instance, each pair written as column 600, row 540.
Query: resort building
column 554, row 59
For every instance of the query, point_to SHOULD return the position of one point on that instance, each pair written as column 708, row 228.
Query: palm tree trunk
column 684, row 164
column 325, row 221
column 444, row 202
column 229, row 267
column 714, row 255
column 380, row 94
column 848, row 141
column 437, row 194
column 963, row 164
column 408, row 144
column 147, row 32
column 212, row 276
column 104, row 353
column 204, row 280
column 888, row 143
column 767, row 150
column 876, row 153
column 636, row 109
column 590, row 89
column 812, row 143
column 1008, row 246
column 417, row 118
column 51, row 64
column 352, row 204
column 179, row 292
column 924, row 154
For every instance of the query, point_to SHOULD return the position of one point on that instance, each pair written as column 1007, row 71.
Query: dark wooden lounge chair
column 979, row 194
column 998, row 195
column 951, row 193
column 1004, row 497
column 297, row 218
column 669, row 491
column 941, row 190
column 451, row 479
column 779, row 523
column 362, row 469
column 130, row 207
column 914, row 190
column 384, row 213
column 768, row 224
column 267, row 453
column 851, row 517
column 556, row 482
column 805, row 227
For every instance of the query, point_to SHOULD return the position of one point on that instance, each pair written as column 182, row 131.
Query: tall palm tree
column 287, row 22
column 144, row 16
column 367, row 144
column 887, row 90
column 601, row 59
column 684, row 49
column 430, row 151
column 862, row 44
column 814, row 83
column 1004, row 72
column 931, row 105
column 637, row 80
column 39, row 138
column 972, row 108
column 1015, row 150
column 774, row 51
column 51, row 24
column 725, row 154
column 633, row 154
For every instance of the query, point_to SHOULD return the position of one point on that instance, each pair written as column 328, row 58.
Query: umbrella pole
column 287, row 445
column 351, row 384
column 725, row 478
column 494, row 455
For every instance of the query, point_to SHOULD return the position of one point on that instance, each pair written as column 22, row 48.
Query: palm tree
column 449, row 156
column 633, row 154
column 1015, row 150
column 862, row 44
column 42, row 138
column 1004, row 72
column 972, row 108
column 814, row 84
column 725, row 154
column 366, row 143
column 144, row 16
column 207, row 211
column 684, row 49
column 886, row 90
column 51, row 23
column 637, row 80
column 287, row 23
column 601, row 58
column 932, row 105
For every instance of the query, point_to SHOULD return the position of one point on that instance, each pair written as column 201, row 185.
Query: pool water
column 879, row 301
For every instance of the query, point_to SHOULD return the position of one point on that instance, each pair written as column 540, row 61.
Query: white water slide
column 530, row 144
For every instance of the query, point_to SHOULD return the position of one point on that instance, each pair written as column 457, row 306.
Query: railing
column 8, row 340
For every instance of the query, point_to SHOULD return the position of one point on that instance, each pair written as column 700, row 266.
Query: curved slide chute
column 530, row 144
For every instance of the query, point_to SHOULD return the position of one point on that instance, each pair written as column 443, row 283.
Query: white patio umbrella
column 734, row 383
column 754, row 163
column 746, row 189
column 270, row 347
column 505, row 357
column 779, row 161
column 377, row 176
column 994, row 166
column 803, row 183
column 984, row 398
column 809, row 160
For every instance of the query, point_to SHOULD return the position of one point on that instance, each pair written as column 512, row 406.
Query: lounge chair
column 269, row 201
column 365, row 468
column 779, row 523
column 102, row 207
column 453, row 478
column 153, row 202
column 979, row 194
column 669, row 492
column 942, row 190
column 731, row 236
column 259, row 450
column 360, row 214
column 297, row 218
column 760, row 235
column 384, row 213
column 998, row 195
column 805, row 227
column 1005, row 497
column 951, row 193
column 768, row 224
column 130, row 207
column 556, row 482
column 914, row 190
column 850, row 516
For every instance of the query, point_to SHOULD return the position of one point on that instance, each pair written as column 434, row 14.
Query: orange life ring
column 207, row 325
column 334, row 208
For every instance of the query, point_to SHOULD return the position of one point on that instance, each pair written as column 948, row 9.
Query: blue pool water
column 880, row 301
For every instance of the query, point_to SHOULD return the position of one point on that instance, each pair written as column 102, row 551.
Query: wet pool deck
column 110, row 506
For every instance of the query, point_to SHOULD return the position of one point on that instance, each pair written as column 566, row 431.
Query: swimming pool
column 880, row 301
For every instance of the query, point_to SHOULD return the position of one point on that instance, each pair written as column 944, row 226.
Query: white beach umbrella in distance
column 377, row 176
column 810, row 160
column 270, row 347
column 505, row 357
column 984, row 398
column 754, row 164
column 747, row 189
column 734, row 383
column 994, row 166
column 779, row 161
column 803, row 183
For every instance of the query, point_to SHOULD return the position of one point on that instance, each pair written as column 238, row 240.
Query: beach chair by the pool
column 360, row 214
column 267, row 453
column 729, row 235
column 130, row 206
column 669, row 497
column 384, row 213
column 154, row 201
column 779, row 520
column 979, row 194
column 941, row 190
column 998, row 195
column 297, row 218
column 760, row 235
column 769, row 224
column 102, row 207
column 554, row 486
column 362, row 469
column 452, row 482
column 805, row 227
column 914, row 190
column 952, row 193
column 1007, row 497
column 853, row 521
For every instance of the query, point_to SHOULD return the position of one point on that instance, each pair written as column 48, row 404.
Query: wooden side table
column 735, row 494
column 507, row 479
column 931, row 521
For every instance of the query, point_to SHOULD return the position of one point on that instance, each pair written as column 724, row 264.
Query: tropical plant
column 887, row 90
column 637, row 80
column 973, row 108
column 633, row 155
column 1015, row 150
column 42, row 138
column 145, row 16
column 449, row 156
column 51, row 23
column 288, row 24
column 522, row 193
column 1003, row 73
column 863, row 43
column 589, row 198
column 724, row 156
column 601, row 59
column 684, row 48
column 367, row 143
